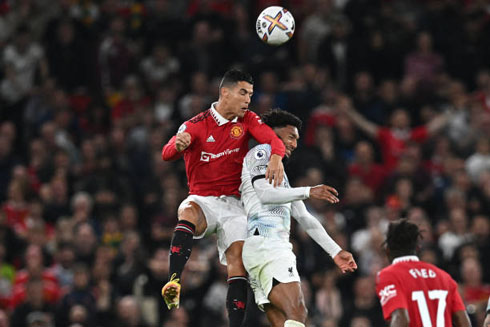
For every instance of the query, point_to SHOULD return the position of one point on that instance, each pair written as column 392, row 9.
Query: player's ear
column 224, row 91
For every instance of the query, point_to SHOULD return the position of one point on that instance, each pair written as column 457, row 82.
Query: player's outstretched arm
column 314, row 228
column 268, row 194
column 461, row 319
column 399, row 318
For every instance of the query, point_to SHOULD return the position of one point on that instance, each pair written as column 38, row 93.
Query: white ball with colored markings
column 275, row 25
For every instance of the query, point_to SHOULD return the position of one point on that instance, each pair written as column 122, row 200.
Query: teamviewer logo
column 205, row 156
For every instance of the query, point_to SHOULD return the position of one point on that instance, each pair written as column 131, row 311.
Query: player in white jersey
column 267, row 253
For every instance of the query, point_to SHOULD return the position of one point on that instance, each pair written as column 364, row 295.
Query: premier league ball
column 275, row 25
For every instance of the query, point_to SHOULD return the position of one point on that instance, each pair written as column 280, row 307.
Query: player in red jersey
column 415, row 293
column 213, row 145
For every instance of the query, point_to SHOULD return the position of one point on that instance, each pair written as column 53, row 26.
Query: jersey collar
column 220, row 120
column 406, row 258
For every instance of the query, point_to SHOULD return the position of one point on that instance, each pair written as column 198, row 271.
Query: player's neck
column 223, row 110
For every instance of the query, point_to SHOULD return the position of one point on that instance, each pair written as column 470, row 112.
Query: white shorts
column 225, row 217
column 266, row 259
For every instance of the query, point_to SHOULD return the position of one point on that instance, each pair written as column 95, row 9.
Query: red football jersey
column 213, row 161
column 428, row 293
column 393, row 144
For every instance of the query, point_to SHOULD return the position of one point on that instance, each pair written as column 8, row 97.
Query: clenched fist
column 182, row 141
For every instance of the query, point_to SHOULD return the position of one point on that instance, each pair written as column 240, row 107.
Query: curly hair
column 402, row 238
column 280, row 118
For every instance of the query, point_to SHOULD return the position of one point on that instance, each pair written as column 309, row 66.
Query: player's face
column 237, row 98
column 289, row 136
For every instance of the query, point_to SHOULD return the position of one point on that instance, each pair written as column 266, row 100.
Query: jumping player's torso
column 268, row 220
column 214, row 158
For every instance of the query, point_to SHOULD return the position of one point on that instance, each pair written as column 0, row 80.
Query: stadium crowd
column 395, row 100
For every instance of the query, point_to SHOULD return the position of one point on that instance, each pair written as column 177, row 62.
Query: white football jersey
column 268, row 220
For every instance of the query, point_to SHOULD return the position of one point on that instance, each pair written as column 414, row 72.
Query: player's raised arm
column 264, row 134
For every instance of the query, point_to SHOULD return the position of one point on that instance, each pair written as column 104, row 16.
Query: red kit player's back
column 428, row 293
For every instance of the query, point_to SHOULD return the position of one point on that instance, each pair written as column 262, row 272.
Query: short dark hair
column 402, row 238
column 234, row 76
column 280, row 118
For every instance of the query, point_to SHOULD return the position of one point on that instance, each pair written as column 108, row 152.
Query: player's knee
column 191, row 212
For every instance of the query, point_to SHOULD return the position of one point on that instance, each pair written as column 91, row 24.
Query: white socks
column 293, row 323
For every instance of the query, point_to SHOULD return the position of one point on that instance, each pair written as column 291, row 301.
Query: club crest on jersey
column 236, row 131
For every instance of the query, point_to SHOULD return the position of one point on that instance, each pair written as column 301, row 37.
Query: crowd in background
column 395, row 100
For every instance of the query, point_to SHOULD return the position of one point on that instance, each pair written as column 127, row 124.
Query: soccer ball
column 275, row 25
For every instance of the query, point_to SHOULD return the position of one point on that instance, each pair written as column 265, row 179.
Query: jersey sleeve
column 264, row 134
column 455, row 302
column 390, row 293
column 256, row 161
column 169, row 152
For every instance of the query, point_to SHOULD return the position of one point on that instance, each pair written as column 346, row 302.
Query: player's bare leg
column 275, row 316
column 288, row 298
column 236, row 298
column 191, row 222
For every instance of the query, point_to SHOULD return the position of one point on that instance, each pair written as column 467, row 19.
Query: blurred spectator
column 4, row 319
column 64, row 260
column 423, row 64
column 35, row 267
column 7, row 275
column 328, row 299
column 315, row 27
column 364, row 303
column 473, row 290
column 80, row 294
column 114, row 56
column 158, row 67
column 364, row 167
column 21, row 59
column 67, row 57
column 128, row 313
column 456, row 234
column 480, row 160
column 34, row 307
column 336, row 50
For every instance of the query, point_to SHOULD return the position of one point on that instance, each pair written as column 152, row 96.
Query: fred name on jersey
column 422, row 273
